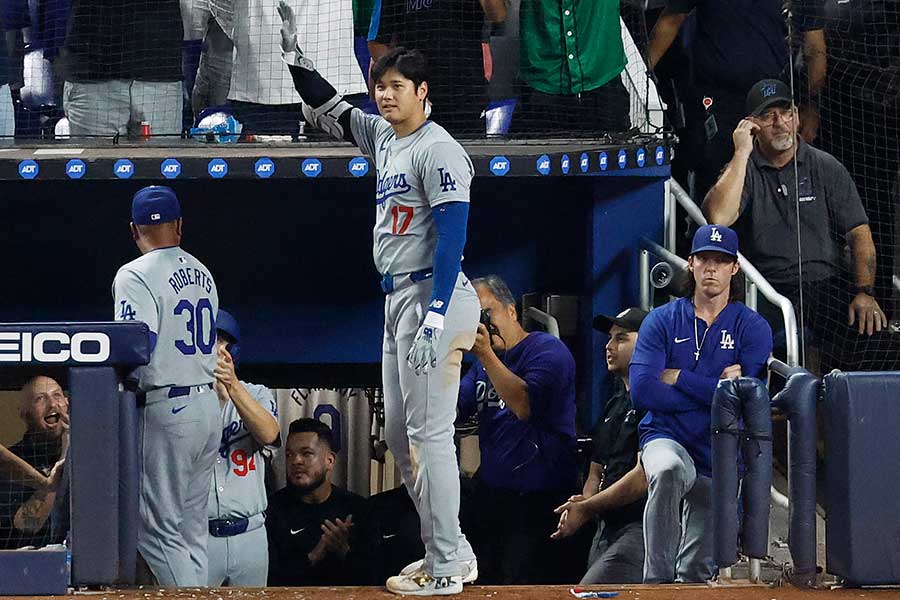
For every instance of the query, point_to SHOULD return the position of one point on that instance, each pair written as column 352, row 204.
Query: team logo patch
column 622, row 159
column 767, row 90
column 499, row 166
column 123, row 168
column 584, row 162
column 358, row 166
column 264, row 168
column 170, row 168
column 217, row 168
column 75, row 168
column 565, row 164
column 641, row 157
column 448, row 184
column 312, row 167
column 543, row 164
column 715, row 236
column 727, row 342
column 660, row 154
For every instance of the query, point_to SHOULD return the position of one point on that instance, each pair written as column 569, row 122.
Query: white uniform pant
column 240, row 560
column 179, row 444
column 678, row 533
column 420, row 411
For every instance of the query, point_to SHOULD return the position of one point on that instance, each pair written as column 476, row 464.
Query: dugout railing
column 651, row 276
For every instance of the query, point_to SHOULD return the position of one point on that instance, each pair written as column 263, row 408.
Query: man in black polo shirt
column 758, row 192
column 733, row 44
column 617, row 554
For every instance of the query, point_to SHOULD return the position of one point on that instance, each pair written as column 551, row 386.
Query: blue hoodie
column 681, row 412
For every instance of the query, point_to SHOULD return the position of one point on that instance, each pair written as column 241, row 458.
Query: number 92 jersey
column 174, row 294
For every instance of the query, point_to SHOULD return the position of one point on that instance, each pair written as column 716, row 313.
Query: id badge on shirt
column 711, row 127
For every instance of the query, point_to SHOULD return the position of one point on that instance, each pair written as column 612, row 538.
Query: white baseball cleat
column 469, row 569
column 420, row 583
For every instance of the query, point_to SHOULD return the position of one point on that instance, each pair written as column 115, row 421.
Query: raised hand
column 288, row 27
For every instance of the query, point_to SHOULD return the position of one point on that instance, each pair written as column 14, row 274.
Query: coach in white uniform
column 238, row 545
column 174, row 294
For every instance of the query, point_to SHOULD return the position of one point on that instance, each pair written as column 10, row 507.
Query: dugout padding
column 102, row 463
column 863, row 477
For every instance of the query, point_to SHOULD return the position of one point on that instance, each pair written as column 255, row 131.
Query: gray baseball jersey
column 174, row 294
column 415, row 173
column 237, row 488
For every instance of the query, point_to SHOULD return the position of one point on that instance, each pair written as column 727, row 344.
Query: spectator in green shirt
column 571, row 60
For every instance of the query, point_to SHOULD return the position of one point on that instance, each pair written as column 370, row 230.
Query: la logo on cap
column 155, row 217
column 715, row 236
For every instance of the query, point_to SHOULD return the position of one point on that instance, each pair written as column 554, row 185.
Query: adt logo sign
column 28, row 169
column 76, row 168
column 543, row 164
column 641, row 157
column 622, row 159
column 312, row 167
column 358, row 166
column 217, row 168
column 603, row 159
column 565, row 164
column 264, row 168
column 123, row 168
column 499, row 166
column 170, row 168
column 660, row 154
column 585, row 162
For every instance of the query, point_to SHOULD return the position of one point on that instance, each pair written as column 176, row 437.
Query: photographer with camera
column 523, row 389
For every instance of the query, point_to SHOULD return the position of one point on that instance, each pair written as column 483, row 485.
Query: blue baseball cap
column 155, row 204
column 715, row 238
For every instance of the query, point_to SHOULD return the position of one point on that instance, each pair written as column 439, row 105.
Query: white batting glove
column 423, row 353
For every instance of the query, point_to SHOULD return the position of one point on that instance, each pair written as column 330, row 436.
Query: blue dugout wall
column 292, row 256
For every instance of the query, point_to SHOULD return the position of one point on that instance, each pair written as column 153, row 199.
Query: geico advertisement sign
column 53, row 347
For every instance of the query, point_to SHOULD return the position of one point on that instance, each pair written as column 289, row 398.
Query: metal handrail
column 792, row 341
column 758, row 283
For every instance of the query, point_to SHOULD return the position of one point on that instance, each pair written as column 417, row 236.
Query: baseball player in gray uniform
column 238, row 545
column 175, row 295
column 430, row 311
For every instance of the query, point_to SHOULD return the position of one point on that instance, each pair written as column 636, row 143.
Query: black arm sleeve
column 316, row 92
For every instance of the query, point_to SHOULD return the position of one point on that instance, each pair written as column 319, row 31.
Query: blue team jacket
column 667, row 340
